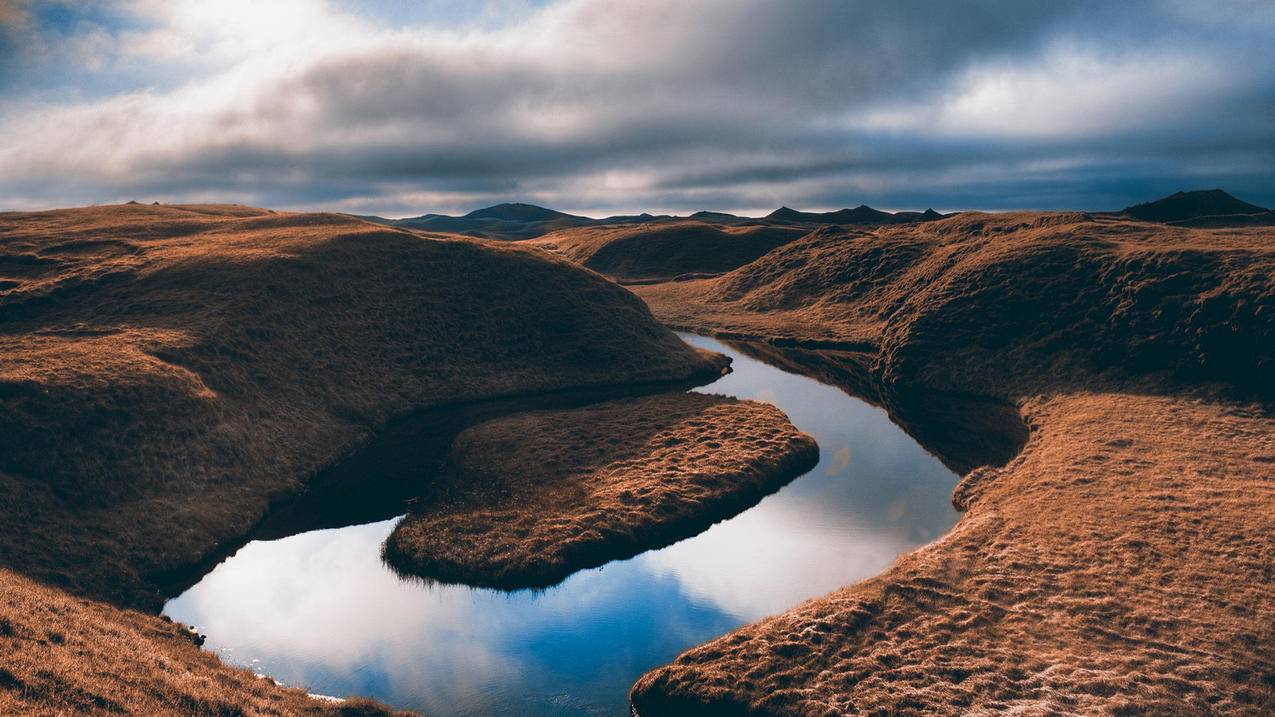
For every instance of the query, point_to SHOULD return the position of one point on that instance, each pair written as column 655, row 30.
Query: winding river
column 319, row 610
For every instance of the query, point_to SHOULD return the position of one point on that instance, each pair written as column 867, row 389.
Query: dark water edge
column 386, row 476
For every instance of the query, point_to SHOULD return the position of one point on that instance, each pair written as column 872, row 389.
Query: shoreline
column 527, row 500
column 397, row 443
column 1117, row 562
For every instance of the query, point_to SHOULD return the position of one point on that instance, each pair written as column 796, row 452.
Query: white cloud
column 305, row 103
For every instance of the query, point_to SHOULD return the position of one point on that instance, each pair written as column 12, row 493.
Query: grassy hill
column 1014, row 294
column 1120, row 563
column 528, row 499
column 167, row 372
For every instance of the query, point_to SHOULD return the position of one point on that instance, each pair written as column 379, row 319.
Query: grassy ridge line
column 998, row 304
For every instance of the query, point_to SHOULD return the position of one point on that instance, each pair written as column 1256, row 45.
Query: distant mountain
column 642, row 218
column 862, row 215
column 510, row 221
column 518, row 212
column 515, row 221
column 1191, row 206
column 787, row 214
column 719, row 218
column 928, row 215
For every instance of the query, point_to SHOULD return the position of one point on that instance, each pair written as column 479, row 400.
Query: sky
column 403, row 107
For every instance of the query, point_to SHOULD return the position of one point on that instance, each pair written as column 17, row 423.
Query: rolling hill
column 1086, row 574
column 170, row 372
column 517, row 221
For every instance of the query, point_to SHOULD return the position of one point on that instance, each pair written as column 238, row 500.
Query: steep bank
column 168, row 372
column 1121, row 563
column 528, row 499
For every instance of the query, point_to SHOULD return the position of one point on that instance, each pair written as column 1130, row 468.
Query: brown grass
column 664, row 250
column 531, row 498
column 61, row 655
column 1122, row 563
column 1001, row 304
column 166, row 373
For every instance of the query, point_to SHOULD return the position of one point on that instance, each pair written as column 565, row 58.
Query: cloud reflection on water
column 320, row 610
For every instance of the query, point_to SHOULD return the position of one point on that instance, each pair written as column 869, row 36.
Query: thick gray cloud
column 601, row 106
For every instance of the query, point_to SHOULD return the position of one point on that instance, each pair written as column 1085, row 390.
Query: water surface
column 319, row 610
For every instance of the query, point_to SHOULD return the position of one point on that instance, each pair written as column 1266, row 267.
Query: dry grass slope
column 64, row 655
column 167, row 372
column 1123, row 563
column 533, row 497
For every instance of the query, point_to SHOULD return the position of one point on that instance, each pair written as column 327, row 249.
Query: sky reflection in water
column 319, row 610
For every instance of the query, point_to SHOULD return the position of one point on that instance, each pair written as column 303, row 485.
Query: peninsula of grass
column 530, row 498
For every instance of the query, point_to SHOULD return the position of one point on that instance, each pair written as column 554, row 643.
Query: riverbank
column 1121, row 562
column 170, row 372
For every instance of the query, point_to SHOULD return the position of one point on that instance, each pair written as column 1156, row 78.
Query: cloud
column 607, row 106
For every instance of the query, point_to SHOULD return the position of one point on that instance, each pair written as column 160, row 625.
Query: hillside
column 665, row 250
column 170, row 371
column 1008, row 293
column 519, row 212
column 1121, row 562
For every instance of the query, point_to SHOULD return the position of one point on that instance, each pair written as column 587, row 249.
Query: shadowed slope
column 531, row 498
column 662, row 250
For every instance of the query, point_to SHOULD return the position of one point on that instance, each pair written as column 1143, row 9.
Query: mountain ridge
column 516, row 221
